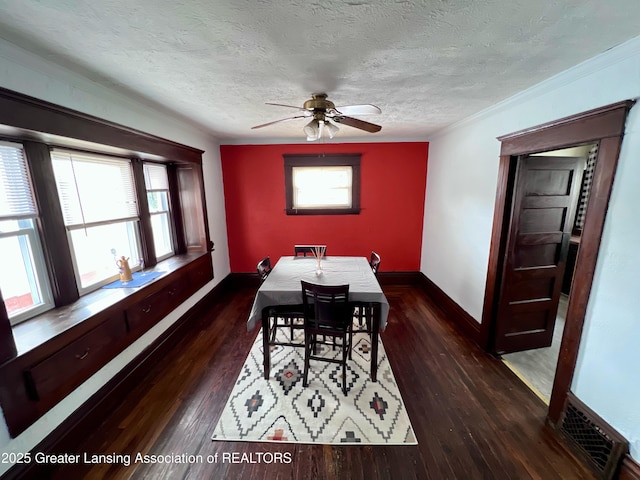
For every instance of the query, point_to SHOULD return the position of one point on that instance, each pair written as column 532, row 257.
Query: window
column 322, row 184
column 23, row 278
column 157, row 185
column 98, row 201
column 322, row 187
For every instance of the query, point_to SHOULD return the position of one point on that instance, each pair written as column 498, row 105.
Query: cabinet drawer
column 146, row 313
column 54, row 377
column 200, row 274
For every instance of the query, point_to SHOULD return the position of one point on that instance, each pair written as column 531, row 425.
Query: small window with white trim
column 100, row 212
column 23, row 276
column 322, row 184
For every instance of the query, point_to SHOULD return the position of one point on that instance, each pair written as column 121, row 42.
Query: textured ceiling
column 426, row 63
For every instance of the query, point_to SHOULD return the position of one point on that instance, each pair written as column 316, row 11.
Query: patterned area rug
column 282, row 410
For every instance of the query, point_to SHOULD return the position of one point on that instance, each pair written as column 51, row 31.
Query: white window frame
column 133, row 227
column 41, row 284
column 133, row 238
column 166, row 213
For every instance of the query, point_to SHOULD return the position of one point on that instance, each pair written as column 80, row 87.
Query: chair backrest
column 326, row 305
column 374, row 262
column 264, row 268
column 307, row 249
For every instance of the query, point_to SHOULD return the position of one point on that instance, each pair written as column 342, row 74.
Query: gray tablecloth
column 282, row 286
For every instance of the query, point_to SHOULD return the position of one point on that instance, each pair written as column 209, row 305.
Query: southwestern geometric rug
column 282, row 410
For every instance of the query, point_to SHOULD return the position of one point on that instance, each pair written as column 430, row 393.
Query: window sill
column 322, row 211
column 41, row 329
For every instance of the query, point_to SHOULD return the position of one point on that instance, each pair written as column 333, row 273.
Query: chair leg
column 366, row 315
column 307, row 353
column 274, row 328
column 344, row 367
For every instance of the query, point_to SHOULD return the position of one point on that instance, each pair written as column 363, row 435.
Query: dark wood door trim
column 579, row 129
column 630, row 469
column 604, row 126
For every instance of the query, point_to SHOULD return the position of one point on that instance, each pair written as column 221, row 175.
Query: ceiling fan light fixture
column 326, row 117
column 312, row 130
column 331, row 128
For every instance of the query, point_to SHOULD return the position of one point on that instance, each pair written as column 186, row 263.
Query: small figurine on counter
column 125, row 270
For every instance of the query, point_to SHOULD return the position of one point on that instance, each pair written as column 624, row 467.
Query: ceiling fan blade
column 278, row 121
column 358, row 110
column 356, row 123
column 288, row 106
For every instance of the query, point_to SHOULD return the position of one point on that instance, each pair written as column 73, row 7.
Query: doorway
column 548, row 294
column 603, row 127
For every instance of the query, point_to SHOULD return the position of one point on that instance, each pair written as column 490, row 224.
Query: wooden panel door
column 544, row 205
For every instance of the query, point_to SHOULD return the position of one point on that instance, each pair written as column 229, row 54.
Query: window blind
column 16, row 197
column 155, row 176
column 93, row 189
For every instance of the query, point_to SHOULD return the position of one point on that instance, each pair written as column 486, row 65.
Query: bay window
column 74, row 197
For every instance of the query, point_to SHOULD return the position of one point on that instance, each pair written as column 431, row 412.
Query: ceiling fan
column 325, row 116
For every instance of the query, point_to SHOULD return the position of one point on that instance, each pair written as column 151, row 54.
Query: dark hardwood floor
column 473, row 418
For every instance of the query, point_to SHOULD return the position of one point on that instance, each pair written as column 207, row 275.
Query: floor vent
column 592, row 438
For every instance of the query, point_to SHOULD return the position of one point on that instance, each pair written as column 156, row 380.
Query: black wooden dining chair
column 285, row 316
column 374, row 262
column 264, row 268
column 327, row 314
column 362, row 311
column 304, row 250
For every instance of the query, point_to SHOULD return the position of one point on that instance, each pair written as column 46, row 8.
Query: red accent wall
column 393, row 180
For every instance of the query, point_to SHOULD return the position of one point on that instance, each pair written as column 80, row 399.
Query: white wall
column 460, row 196
column 31, row 75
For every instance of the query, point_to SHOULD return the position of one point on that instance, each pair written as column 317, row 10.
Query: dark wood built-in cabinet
column 50, row 379
column 42, row 360
column 39, row 377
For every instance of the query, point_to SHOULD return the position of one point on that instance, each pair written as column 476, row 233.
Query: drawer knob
column 173, row 291
column 84, row 355
column 146, row 309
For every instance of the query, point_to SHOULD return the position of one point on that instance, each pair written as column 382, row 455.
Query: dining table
column 283, row 287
